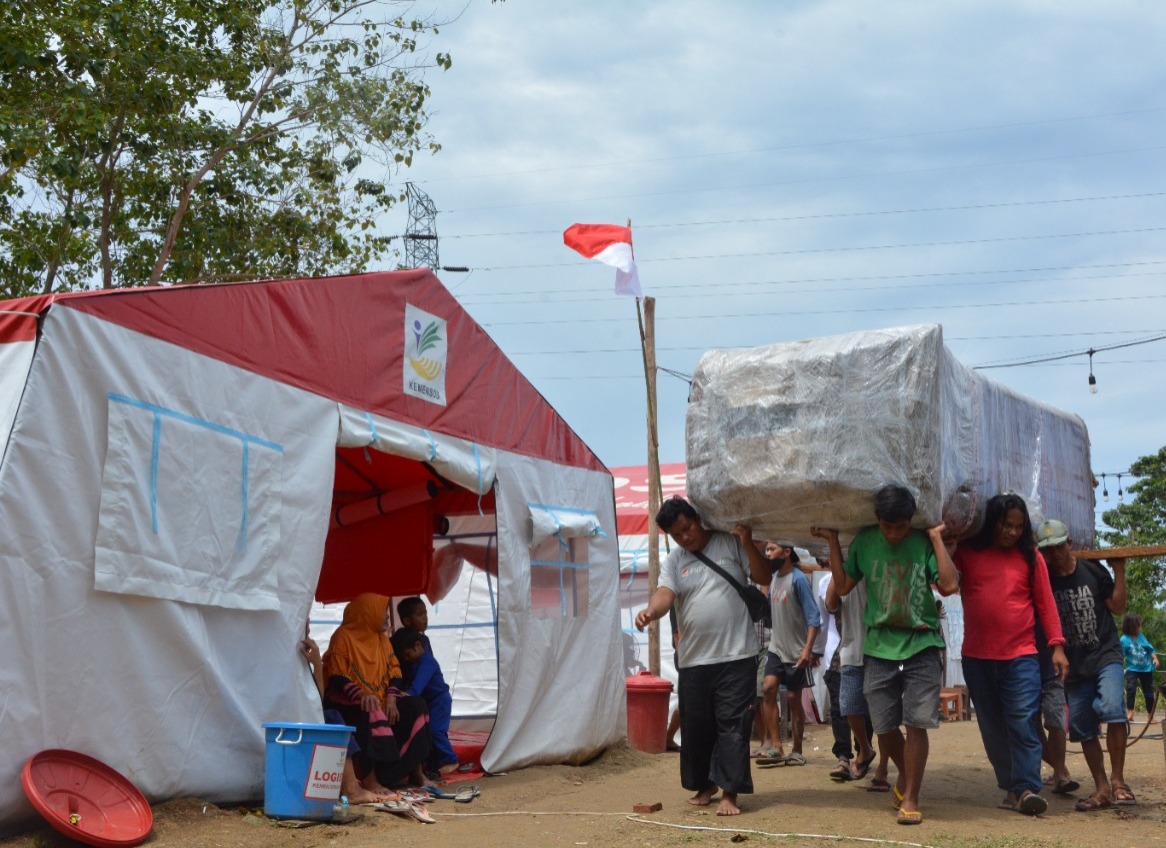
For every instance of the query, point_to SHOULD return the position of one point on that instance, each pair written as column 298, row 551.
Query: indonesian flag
column 611, row 245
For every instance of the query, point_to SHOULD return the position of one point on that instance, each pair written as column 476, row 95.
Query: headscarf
column 360, row 651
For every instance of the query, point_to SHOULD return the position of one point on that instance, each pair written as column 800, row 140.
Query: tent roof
column 631, row 494
column 342, row 338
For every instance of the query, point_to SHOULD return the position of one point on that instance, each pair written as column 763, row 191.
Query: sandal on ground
column 771, row 758
column 841, row 771
column 404, row 807
column 1092, row 804
column 910, row 817
column 1123, row 796
column 896, row 797
column 1066, row 787
column 877, row 784
column 861, row 767
column 1031, row 804
column 1009, row 803
column 795, row 760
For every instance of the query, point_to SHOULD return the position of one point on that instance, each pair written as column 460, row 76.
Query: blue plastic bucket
column 303, row 769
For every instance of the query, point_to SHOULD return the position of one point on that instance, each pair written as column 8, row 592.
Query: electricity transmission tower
column 421, row 231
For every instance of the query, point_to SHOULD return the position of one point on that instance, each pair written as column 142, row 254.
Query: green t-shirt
column 901, row 617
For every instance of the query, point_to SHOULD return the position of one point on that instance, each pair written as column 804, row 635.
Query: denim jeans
column 1006, row 695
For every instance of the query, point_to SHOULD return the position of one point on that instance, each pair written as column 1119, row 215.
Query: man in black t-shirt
column 1087, row 599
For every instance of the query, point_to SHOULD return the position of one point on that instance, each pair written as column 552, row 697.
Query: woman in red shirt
column 1004, row 584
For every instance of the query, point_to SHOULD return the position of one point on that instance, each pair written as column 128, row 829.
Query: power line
column 722, row 293
column 830, row 215
column 907, row 308
column 820, row 179
column 679, row 374
column 797, row 146
column 809, row 250
column 683, row 348
column 1072, row 354
column 704, row 285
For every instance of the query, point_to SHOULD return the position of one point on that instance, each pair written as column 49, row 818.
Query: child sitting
column 423, row 677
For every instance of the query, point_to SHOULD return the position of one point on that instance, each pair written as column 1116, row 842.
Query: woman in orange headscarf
column 363, row 683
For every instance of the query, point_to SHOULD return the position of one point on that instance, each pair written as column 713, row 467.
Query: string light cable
column 1057, row 357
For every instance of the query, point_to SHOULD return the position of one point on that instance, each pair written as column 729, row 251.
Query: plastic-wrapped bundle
column 791, row 435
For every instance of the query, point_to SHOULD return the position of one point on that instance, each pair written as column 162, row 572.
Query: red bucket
column 648, row 712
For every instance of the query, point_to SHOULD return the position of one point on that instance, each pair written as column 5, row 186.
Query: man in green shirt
column 903, row 639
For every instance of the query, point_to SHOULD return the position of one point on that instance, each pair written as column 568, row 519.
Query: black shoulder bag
column 754, row 598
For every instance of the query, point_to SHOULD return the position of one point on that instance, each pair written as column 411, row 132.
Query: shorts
column 851, row 701
column 794, row 679
column 1094, row 701
column 903, row 692
column 1053, row 706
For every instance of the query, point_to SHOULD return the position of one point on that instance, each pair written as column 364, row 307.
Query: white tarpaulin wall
column 165, row 516
column 171, row 689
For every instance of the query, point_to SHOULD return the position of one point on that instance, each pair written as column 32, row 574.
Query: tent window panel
column 190, row 509
column 559, row 578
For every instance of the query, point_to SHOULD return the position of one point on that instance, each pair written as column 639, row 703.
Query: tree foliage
column 1141, row 520
column 147, row 141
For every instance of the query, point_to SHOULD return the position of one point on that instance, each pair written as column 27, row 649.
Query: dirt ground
column 591, row 806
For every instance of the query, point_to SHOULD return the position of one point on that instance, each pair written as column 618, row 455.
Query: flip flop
column 405, row 807
column 464, row 795
column 1009, row 803
column 877, row 784
column 1066, row 787
column 910, row 817
column 861, row 767
column 1123, row 796
column 1031, row 804
column 772, row 760
column 795, row 760
column 841, row 772
column 896, row 797
column 1092, row 804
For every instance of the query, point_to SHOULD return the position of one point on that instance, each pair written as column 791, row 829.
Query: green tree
column 147, row 141
column 1141, row 520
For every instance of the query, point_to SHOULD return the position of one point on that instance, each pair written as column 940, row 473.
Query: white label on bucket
column 325, row 773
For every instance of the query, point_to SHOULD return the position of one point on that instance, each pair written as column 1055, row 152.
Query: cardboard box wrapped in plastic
column 792, row 435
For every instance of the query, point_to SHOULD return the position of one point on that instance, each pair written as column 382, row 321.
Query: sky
column 802, row 169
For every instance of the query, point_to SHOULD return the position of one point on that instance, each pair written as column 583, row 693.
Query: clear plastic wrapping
column 792, row 435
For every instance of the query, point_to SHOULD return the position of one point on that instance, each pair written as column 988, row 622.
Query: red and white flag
column 612, row 245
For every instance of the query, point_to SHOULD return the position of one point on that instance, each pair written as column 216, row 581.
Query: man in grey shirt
column 717, row 653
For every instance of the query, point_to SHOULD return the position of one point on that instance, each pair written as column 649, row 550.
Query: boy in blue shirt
column 423, row 677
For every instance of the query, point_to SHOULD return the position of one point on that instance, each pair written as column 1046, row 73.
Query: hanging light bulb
column 1104, row 491
column 1119, row 493
column 1092, row 379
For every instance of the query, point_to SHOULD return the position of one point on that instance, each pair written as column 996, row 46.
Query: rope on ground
column 834, row 836
column 529, row 813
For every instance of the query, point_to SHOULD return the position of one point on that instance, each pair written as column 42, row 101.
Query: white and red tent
column 185, row 469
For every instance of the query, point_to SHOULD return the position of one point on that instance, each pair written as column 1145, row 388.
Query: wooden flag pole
column 647, row 321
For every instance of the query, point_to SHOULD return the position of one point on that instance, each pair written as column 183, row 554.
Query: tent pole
column 648, row 345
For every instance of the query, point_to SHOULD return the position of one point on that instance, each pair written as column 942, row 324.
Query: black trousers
column 714, row 725
column 838, row 723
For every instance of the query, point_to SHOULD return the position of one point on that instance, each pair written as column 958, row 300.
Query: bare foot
column 728, row 805
column 360, row 795
column 372, row 785
column 704, row 797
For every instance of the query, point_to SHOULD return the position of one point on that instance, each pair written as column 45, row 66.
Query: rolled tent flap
column 562, row 521
column 383, row 504
column 470, row 465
